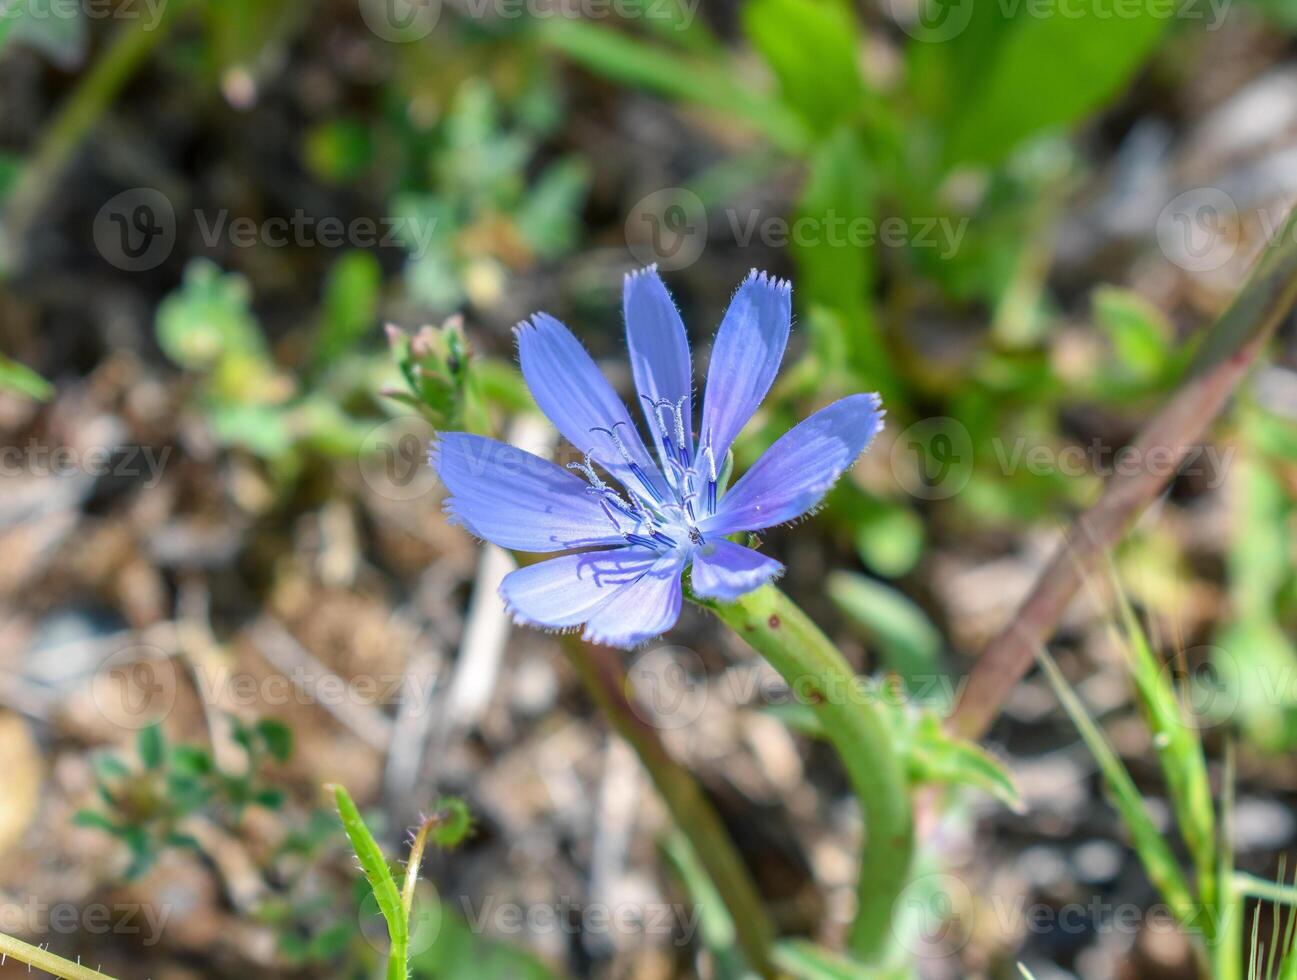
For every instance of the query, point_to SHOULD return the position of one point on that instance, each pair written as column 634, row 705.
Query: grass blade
column 1153, row 852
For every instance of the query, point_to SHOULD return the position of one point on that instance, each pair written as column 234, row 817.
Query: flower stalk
column 774, row 626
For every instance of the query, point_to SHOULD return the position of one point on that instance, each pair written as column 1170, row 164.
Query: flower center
column 646, row 515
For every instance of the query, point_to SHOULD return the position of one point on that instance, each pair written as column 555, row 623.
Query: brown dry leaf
column 20, row 761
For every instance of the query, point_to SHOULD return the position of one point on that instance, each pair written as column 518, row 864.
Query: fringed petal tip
column 648, row 270
column 629, row 644
column 761, row 278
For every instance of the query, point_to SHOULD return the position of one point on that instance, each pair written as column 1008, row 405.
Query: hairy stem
column 1224, row 357
column 11, row 948
column 819, row 675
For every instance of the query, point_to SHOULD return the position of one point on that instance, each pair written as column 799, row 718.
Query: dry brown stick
column 1226, row 354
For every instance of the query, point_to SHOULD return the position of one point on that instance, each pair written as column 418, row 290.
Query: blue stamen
column 645, row 482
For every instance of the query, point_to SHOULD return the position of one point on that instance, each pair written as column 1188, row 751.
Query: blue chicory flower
column 630, row 537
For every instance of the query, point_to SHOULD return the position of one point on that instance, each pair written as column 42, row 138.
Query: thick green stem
column 820, row 676
column 16, row 949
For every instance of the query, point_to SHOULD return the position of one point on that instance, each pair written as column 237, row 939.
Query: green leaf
column 209, row 317
column 96, row 820
column 806, row 961
column 909, row 643
column 21, row 379
column 109, row 767
column 152, row 746
column 935, row 757
column 271, row 798
column 549, row 219
column 1015, row 71
column 1140, row 333
column 889, row 538
column 834, row 268
column 190, row 760
column 278, row 738
column 811, row 46
column 330, row 942
column 374, row 866
column 338, row 151
column 454, row 822
column 351, row 297
column 674, row 75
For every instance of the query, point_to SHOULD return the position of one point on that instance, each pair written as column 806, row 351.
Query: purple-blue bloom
column 633, row 519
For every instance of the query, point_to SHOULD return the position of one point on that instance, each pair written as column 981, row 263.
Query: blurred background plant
column 1009, row 220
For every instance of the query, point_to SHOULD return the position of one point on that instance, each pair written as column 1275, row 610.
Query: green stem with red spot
column 855, row 723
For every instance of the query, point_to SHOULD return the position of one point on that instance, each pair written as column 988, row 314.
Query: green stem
column 133, row 43
column 605, row 681
column 819, row 675
column 16, row 949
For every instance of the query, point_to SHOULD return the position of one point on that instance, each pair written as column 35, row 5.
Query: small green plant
column 207, row 327
column 146, row 801
column 446, row 826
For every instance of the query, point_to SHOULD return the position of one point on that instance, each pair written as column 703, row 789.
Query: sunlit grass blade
column 1227, row 948
column 1158, row 861
column 806, row 961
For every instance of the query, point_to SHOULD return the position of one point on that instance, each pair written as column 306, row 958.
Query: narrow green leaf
column 375, row 868
column 350, row 304
column 936, row 757
column 811, row 46
column 1180, row 753
column 19, row 378
column 806, row 961
column 908, row 641
column 152, row 746
column 1156, row 856
column 668, row 73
